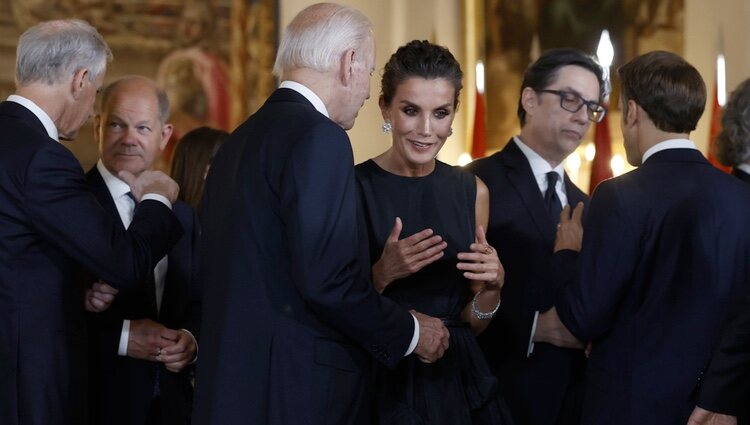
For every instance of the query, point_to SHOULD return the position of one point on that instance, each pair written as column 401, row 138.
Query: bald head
column 131, row 128
column 138, row 82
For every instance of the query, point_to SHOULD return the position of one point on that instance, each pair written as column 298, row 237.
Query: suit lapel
column 573, row 193
column 97, row 185
column 102, row 194
column 522, row 179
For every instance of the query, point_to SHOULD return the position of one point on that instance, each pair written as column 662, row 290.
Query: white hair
column 319, row 35
column 51, row 51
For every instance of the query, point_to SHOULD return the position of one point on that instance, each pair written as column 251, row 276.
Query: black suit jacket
column 725, row 386
column 121, row 388
column 289, row 318
column 50, row 226
column 665, row 254
column 542, row 388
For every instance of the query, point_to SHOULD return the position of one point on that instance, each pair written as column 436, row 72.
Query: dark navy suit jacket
column 725, row 386
column 121, row 388
column 50, row 226
column 665, row 254
column 541, row 389
column 289, row 320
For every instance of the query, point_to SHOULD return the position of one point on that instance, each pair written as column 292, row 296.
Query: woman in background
column 192, row 159
column 425, row 223
column 732, row 147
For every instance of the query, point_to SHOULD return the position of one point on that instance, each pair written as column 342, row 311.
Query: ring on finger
column 488, row 250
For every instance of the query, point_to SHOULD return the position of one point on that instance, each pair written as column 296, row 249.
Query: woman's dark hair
column 193, row 154
column 422, row 59
column 732, row 145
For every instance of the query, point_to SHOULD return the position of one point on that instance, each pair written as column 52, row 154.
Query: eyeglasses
column 573, row 102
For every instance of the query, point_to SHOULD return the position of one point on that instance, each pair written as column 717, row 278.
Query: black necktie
column 131, row 196
column 551, row 200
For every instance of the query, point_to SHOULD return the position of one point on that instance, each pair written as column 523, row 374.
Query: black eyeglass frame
column 594, row 110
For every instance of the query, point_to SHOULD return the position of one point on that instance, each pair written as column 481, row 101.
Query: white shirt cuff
column 195, row 341
column 122, row 350
column 531, row 338
column 414, row 338
column 156, row 197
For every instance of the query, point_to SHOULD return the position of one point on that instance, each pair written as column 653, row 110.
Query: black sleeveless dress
column 459, row 388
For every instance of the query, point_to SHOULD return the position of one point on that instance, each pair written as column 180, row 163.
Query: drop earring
column 450, row 132
column 387, row 127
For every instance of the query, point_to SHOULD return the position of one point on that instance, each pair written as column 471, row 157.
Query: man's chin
column 69, row 137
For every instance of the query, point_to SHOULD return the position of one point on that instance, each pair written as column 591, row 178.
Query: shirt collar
column 307, row 93
column 668, row 144
column 117, row 187
column 47, row 122
column 744, row 167
column 539, row 166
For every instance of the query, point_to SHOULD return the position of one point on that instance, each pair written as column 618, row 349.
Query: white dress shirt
column 321, row 107
column 744, row 167
column 307, row 93
column 540, row 167
column 668, row 144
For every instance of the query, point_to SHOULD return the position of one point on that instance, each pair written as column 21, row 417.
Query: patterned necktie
column 551, row 200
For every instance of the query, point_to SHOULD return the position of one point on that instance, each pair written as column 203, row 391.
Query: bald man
column 141, row 345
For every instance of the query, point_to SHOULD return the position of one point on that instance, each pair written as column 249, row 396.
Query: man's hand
column 147, row 339
column 150, row 182
column 705, row 417
column 551, row 330
column 99, row 297
column 570, row 229
column 482, row 263
column 401, row 258
column 178, row 355
column 433, row 338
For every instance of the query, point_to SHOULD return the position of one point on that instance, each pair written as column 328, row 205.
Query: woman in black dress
column 425, row 224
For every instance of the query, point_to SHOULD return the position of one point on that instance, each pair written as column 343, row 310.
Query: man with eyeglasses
column 664, row 257
column 560, row 98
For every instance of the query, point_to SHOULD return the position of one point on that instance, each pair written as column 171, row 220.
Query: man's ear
column 632, row 114
column 80, row 78
column 346, row 64
column 529, row 100
column 166, row 133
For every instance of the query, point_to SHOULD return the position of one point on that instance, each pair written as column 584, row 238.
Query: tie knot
column 552, row 177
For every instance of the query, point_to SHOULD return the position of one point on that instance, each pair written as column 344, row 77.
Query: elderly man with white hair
column 291, row 320
column 51, row 226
